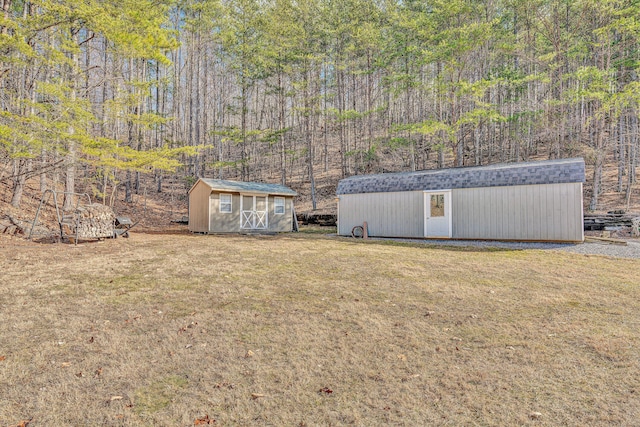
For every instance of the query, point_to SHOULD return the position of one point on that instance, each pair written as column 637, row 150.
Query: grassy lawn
column 304, row 330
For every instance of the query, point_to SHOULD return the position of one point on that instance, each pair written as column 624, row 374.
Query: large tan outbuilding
column 219, row 206
column 529, row 201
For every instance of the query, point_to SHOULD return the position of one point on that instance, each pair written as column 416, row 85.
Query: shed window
column 278, row 205
column 437, row 205
column 225, row 203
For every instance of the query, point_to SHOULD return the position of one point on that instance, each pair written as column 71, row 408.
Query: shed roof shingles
column 499, row 175
column 248, row 187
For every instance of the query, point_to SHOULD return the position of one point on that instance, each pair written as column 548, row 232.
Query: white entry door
column 437, row 209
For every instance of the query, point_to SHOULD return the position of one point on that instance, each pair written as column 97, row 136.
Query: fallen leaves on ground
column 204, row 421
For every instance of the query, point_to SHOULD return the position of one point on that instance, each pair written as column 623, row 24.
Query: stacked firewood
column 610, row 219
column 92, row 221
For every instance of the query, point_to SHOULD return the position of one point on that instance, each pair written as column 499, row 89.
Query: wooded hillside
column 289, row 91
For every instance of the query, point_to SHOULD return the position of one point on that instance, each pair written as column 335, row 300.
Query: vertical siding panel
column 486, row 197
column 574, row 219
column 454, row 212
column 213, row 205
column 496, row 202
column 566, row 214
column 545, row 208
column 521, row 210
column 579, row 213
column 525, row 211
column 532, row 201
column 474, row 215
column 466, row 206
column 485, row 208
column 459, row 213
column 563, row 211
column 528, row 197
column 381, row 211
column 535, row 212
column 516, row 211
column 531, row 198
column 506, row 213
column 385, row 211
column 552, row 218
column 514, row 206
column 507, row 217
column 557, row 212
column 490, row 196
column 478, row 221
column 542, row 212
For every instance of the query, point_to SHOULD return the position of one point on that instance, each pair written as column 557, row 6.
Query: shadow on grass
column 457, row 245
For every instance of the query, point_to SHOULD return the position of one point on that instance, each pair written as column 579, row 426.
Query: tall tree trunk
column 70, row 179
column 19, row 180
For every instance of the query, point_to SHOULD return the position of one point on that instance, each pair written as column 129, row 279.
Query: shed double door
column 254, row 212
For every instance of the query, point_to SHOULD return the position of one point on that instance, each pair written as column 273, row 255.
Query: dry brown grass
column 307, row 330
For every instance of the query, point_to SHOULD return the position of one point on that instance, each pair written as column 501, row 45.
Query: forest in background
column 284, row 91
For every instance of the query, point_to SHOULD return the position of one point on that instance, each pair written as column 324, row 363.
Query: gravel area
column 630, row 250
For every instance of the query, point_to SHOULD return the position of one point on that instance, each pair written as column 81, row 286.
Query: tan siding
column 205, row 215
column 387, row 214
column 525, row 212
column 283, row 222
column 220, row 222
column 199, row 208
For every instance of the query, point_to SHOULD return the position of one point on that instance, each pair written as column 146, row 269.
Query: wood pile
column 611, row 219
column 319, row 219
column 90, row 222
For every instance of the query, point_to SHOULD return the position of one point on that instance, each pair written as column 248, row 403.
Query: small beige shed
column 219, row 206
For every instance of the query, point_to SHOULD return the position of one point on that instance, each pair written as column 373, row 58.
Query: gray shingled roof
column 248, row 187
column 498, row 175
